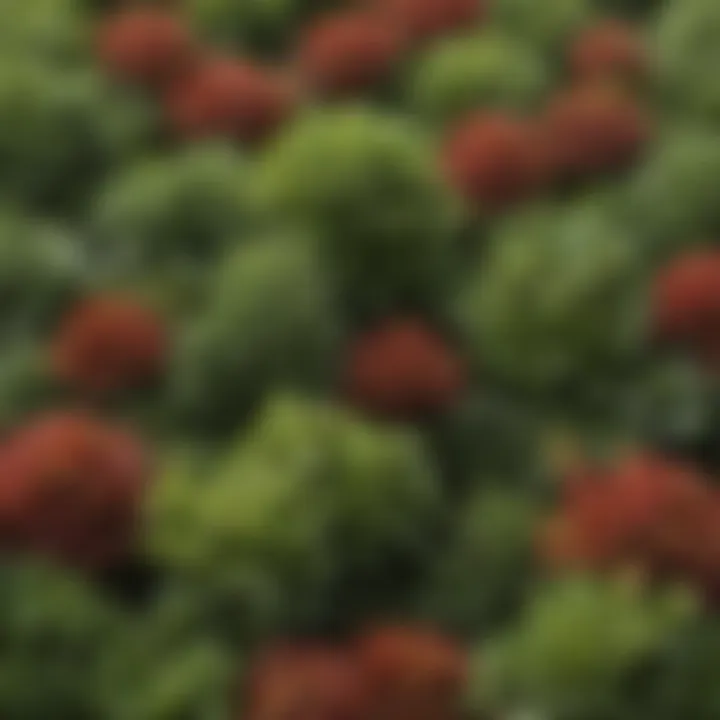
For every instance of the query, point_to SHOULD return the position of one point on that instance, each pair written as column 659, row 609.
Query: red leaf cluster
column 392, row 673
column 496, row 161
column 306, row 682
column 594, row 129
column 231, row 98
column 686, row 304
column 403, row 369
column 649, row 513
column 346, row 53
column 412, row 674
column 109, row 344
column 429, row 19
column 610, row 50
column 70, row 488
column 147, row 46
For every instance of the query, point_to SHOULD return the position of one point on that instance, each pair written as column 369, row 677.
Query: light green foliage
column 575, row 646
column 53, row 30
column 162, row 665
column 369, row 183
column 686, row 47
column 307, row 488
column 557, row 297
column 379, row 482
column 53, row 629
column 484, row 71
column 269, row 320
column 673, row 197
column 548, row 25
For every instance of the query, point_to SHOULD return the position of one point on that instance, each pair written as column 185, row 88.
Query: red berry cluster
column 493, row 161
column 403, row 369
column 589, row 128
column 70, row 484
column 70, row 489
column 686, row 305
column 647, row 513
column 390, row 673
column 202, row 95
column 109, row 344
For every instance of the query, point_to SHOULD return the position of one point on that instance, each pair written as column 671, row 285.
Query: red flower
column 348, row 52
column 609, row 50
column 305, row 682
column 427, row 19
column 229, row 98
column 686, row 304
column 496, row 161
column 412, row 673
column 109, row 344
column 403, row 369
column 595, row 129
column 648, row 512
column 70, row 488
column 145, row 45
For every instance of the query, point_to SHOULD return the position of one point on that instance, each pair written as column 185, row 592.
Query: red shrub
column 108, row 344
column 496, row 161
column 70, row 487
column 348, row 52
column 650, row 513
column 686, row 304
column 427, row 19
column 412, row 673
column 144, row 45
column 229, row 98
column 595, row 129
column 609, row 50
column 305, row 683
column 403, row 369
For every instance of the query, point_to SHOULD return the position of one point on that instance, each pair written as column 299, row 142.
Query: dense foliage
column 359, row 360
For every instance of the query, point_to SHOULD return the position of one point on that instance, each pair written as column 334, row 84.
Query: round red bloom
column 595, row 129
column 609, row 50
column 229, row 98
column 109, row 344
column 348, row 52
column 427, row 19
column 70, row 488
column 649, row 513
column 686, row 304
column 403, row 369
column 305, row 682
column 412, row 673
column 496, row 161
column 149, row 46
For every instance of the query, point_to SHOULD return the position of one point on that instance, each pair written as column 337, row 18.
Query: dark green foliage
column 487, row 71
column 53, row 631
column 61, row 131
column 42, row 268
column 269, row 320
column 178, row 210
